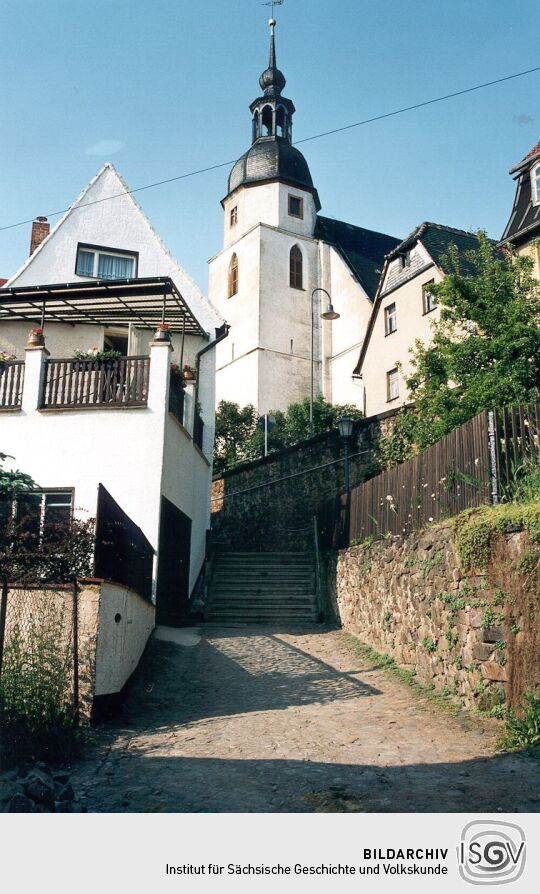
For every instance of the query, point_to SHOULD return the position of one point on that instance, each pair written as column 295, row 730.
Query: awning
column 143, row 302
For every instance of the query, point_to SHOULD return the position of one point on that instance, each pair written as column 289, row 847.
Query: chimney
column 40, row 229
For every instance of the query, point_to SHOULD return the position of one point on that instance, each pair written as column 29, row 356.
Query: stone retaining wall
column 473, row 635
column 270, row 503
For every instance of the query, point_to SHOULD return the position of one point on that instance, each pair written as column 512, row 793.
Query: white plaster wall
column 137, row 454
column 115, row 223
column 238, row 381
column 62, row 340
column 386, row 351
column 346, row 334
column 267, row 203
column 120, row 643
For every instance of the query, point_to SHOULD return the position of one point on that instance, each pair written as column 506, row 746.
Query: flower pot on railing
column 189, row 375
column 161, row 334
column 35, row 338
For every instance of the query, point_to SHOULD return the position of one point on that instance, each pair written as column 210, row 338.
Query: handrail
column 72, row 383
column 318, row 577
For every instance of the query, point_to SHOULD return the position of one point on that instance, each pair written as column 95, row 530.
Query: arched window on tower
column 255, row 126
column 267, row 121
column 296, row 268
column 281, row 119
column 233, row 276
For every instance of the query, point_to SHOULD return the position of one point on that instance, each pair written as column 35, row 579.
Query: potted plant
column 103, row 359
column 177, row 376
column 4, row 360
column 35, row 338
column 162, row 332
column 189, row 373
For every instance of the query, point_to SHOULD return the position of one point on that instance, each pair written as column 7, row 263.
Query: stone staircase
column 263, row 588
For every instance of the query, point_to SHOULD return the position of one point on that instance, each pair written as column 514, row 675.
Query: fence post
column 75, row 594
column 493, row 458
column 3, row 617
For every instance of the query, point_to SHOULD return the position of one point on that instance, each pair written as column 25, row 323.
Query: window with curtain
column 233, row 276
column 535, row 174
column 104, row 264
column 296, row 268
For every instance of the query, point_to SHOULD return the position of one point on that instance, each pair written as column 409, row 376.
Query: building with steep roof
column 523, row 227
column 279, row 258
column 404, row 310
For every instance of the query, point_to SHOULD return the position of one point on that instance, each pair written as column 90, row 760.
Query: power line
column 318, row 136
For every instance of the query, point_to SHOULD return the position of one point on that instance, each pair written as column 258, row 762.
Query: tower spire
column 272, row 80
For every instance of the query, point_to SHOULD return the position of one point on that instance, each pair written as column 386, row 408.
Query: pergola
column 144, row 302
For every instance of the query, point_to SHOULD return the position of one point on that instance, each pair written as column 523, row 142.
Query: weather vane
column 273, row 3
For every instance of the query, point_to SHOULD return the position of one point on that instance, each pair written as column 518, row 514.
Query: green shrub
column 522, row 728
column 428, row 644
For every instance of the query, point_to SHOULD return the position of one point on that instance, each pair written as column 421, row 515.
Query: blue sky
column 162, row 87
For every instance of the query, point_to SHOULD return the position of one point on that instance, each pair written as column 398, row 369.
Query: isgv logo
column 491, row 852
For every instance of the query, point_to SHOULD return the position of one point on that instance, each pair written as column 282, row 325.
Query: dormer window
column 404, row 260
column 105, row 263
column 535, row 184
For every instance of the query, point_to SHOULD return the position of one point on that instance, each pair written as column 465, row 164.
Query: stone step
column 264, row 586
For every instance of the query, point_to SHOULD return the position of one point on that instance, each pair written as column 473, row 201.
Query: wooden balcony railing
column 11, row 383
column 79, row 384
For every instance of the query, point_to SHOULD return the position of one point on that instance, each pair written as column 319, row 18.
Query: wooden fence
column 477, row 463
column 92, row 383
column 11, row 383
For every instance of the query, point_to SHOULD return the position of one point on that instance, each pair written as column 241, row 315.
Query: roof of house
column 2, row 281
column 524, row 222
column 437, row 239
column 363, row 250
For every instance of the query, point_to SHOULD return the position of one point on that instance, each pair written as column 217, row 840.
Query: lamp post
column 329, row 314
column 346, row 426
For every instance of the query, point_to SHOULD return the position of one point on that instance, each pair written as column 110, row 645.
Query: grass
column 474, row 528
column 386, row 663
column 522, row 727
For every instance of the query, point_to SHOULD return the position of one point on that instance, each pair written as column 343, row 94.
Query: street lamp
column 346, row 425
column 329, row 314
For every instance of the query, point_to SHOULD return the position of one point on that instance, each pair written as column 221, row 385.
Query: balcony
column 11, row 384
column 81, row 384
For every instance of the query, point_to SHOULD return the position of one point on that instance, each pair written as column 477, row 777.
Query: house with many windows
column 404, row 310
column 107, row 399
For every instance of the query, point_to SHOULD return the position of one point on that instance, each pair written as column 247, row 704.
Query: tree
column 485, row 350
column 12, row 482
column 239, row 439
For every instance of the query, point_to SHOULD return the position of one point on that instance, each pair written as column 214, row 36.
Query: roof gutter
column 221, row 334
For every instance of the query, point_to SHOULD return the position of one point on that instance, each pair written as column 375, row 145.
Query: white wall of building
column 138, row 454
column 267, row 203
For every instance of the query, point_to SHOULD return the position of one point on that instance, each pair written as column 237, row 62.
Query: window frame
column 390, row 313
column 233, row 220
column 405, row 260
column 389, row 382
column 535, row 184
column 233, row 276
column 96, row 250
column 43, row 493
column 300, row 201
column 296, row 276
column 426, row 308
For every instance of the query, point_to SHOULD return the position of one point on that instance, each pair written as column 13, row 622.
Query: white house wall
column 385, row 352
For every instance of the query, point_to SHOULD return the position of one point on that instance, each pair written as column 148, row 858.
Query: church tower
column 263, row 278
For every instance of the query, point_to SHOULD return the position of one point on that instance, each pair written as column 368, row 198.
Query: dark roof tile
column 363, row 250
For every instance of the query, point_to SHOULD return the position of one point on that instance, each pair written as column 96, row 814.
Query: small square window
column 296, row 206
column 429, row 297
column 392, row 384
column 234, row 216
column 390, row 319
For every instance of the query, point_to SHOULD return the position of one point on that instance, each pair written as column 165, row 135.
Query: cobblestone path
column 247, row 719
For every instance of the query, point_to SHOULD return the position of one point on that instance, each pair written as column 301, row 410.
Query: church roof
column 524, row 223
column 271, row 158
column 363, row 250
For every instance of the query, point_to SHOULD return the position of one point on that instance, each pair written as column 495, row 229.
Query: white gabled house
column 127, row 433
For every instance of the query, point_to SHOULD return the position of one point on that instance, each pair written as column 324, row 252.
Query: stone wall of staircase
column 270, row 503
